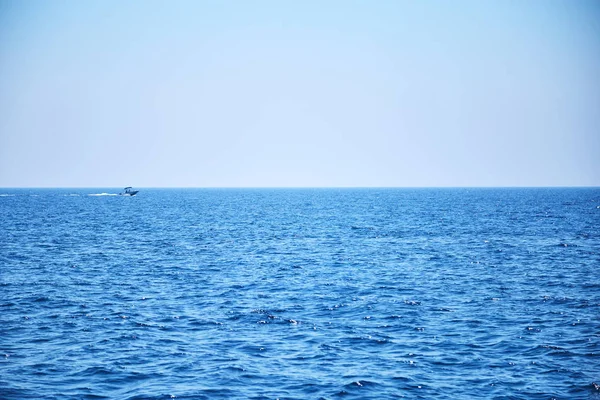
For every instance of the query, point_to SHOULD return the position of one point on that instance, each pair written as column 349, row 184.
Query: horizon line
column 315, row 187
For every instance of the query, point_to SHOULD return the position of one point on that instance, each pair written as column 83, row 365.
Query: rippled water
column 300, row 294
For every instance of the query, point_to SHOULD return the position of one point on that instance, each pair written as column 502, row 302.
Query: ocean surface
column 300, row 294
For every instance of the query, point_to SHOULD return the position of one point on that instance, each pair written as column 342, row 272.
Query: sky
column 372, row 93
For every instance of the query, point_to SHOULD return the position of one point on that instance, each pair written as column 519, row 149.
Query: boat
column 128, row 191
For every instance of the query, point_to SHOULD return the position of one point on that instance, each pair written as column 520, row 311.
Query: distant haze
column 299, row 93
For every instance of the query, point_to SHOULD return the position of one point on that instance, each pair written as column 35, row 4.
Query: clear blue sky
column 299, row 93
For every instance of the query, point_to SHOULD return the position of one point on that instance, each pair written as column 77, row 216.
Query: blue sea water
column 300, row 294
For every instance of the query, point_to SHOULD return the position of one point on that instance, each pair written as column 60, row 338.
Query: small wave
column 362, row 383
column 103, row 194
column 6, row 195
column 95, row 371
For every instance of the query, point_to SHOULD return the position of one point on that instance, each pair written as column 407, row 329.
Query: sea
column 450, row 293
